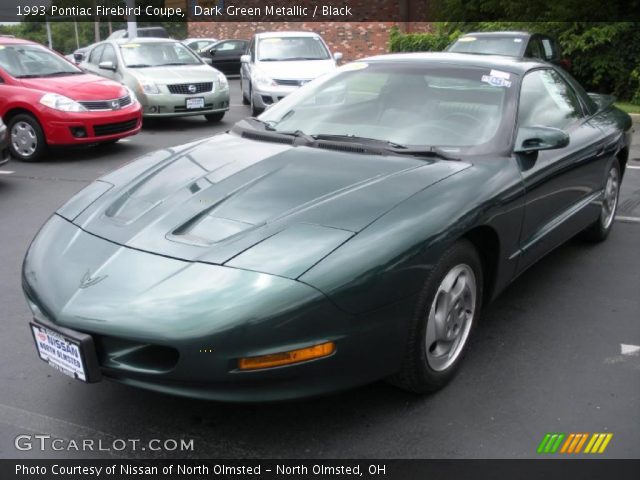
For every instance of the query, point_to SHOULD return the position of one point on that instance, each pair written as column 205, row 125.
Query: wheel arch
column 487, row 242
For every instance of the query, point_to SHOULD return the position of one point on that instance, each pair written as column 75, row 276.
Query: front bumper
column 4, row 145
column 65, row 128
column 179, row 327
column 175, row 105
column 264, row 97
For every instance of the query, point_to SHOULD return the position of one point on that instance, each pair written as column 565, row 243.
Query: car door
column 222, row 56
column 109, row 55
column 562, row 186
column 93, row 59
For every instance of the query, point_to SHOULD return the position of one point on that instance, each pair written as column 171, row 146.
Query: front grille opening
column 113, row 128
column 129, row 355
column 190, row 88
column 107, row 104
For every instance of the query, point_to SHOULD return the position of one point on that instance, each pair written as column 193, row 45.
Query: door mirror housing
column 245, row 59
column 337, row 56
column 533, row 139
column 213, row 51
column 107, row 66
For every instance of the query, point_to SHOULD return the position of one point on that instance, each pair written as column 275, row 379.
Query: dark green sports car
column 350, row 233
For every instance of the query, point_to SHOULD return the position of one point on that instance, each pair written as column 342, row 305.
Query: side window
column 547, row 46
column 109, row 55
column 546, row 100
column 94, row 56
column 225, row 46
column 533, row 49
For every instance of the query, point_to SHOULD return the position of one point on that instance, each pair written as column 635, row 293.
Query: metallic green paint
column 248, row 248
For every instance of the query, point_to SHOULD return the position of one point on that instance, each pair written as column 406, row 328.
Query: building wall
column 354, row 39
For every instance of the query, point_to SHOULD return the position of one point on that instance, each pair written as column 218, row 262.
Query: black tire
column 417, row 374
column 26, row 152
column 214, row 117
column 244, row 97
column 255, row 111
column 599, row 230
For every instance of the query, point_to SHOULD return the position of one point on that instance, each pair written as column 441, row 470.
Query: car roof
column 286, row 34
column 516, row 65
column 511, row 34
column 16, row 41
column 122, row 41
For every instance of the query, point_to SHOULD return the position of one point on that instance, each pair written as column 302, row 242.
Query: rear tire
column 214, row 117
column 447, row 311
column 27, row 140
column 600, row 229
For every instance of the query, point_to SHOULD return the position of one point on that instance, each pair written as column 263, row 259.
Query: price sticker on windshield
column 497, row 78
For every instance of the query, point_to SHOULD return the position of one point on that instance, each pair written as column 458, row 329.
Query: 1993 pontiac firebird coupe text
column 350, row 233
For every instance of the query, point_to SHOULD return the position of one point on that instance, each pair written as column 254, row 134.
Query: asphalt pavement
column 554, row 353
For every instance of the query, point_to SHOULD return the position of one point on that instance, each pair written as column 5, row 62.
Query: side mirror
column 337, row 56
column 108, row 65
column 533, row 139
column 212, row 52
column 245, row 59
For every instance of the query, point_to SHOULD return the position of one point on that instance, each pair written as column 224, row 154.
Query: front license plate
column 197, row 102
column 61, row 352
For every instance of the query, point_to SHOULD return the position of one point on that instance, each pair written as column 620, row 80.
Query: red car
column 45, row 100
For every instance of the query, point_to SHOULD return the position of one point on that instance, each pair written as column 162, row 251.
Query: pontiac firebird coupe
column 350, row 233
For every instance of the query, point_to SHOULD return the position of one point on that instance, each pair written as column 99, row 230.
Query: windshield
column 291, row 48
column 507, row 46
column 25, row 61
column 157, row 54
column 413, row 105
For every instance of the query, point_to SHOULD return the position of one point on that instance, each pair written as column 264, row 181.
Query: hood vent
column 267, row 138
column 345, row 147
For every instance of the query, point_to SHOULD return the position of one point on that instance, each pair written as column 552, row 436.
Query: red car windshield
column 30, row 61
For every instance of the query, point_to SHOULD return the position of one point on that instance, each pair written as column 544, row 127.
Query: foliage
column 605, row 57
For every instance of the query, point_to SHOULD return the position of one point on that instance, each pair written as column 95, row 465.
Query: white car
column 277, row 63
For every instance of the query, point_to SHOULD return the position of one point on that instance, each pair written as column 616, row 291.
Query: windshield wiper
column 176, row 63
column 267, row 125
column 138, row 65
column 423, row 151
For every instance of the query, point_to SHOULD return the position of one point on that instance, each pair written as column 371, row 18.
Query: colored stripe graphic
column 550, row 443
column 572, row 443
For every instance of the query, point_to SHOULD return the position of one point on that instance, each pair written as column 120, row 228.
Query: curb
column 635, row 117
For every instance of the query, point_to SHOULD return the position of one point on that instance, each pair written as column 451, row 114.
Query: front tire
column 255, row 111
column 447, row 312
column 600, row 229
column 27, row 140
column 244, row 97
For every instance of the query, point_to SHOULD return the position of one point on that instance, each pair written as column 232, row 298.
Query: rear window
column 507, row 46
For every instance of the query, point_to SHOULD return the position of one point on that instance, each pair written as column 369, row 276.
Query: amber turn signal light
column 287, row 358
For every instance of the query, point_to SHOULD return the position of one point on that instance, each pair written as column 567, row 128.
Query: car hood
column 78, row 87
column 212, row 200
column 302, row 70
column 175, row 74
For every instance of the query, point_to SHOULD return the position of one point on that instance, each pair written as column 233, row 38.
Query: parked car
column 4, row 143
column 352, row 232
column 167, row 77
column 513, row 44
column 45, row 101
column 198, row 44
column 225, row 55
column 278, row 63
column 148, row 32
column 80, row 53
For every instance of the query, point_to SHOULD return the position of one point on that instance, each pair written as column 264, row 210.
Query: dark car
column 350, row 233
column 225, row 55
column 513, row 44
column 4, row 143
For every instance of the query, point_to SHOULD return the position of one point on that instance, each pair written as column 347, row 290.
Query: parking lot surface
column 554, row 353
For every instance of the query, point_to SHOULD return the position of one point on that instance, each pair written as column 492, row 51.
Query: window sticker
column 496, row 81
column 130, row 45
column 500, row 74
column 517, row 40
